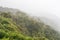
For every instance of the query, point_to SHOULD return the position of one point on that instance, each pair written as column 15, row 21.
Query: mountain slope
column 9, row 31
column 20, row 26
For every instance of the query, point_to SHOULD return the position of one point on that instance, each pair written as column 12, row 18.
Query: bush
column 2, row 34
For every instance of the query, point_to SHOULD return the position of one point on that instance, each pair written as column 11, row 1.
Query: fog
column 40, row 8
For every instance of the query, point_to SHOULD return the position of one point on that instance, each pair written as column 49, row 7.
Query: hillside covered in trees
column 17, row 25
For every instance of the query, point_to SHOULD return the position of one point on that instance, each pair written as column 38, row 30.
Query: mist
column 41, row 8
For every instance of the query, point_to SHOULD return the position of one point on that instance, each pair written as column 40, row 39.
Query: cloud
column 34, row 7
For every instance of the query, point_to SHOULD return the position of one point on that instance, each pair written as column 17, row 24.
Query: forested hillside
column 20, row 26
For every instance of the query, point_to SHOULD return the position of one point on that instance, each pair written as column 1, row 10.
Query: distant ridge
column 5, row 9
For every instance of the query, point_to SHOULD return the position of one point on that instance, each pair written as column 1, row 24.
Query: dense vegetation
column 20, row 26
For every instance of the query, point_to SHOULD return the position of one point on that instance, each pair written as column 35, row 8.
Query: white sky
column 34, row 7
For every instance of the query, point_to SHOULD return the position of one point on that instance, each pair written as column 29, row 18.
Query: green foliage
column 5, row 14
column 9, row 30
column 20, row 26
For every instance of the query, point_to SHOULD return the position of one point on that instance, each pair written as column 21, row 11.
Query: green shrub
column 2, row 34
